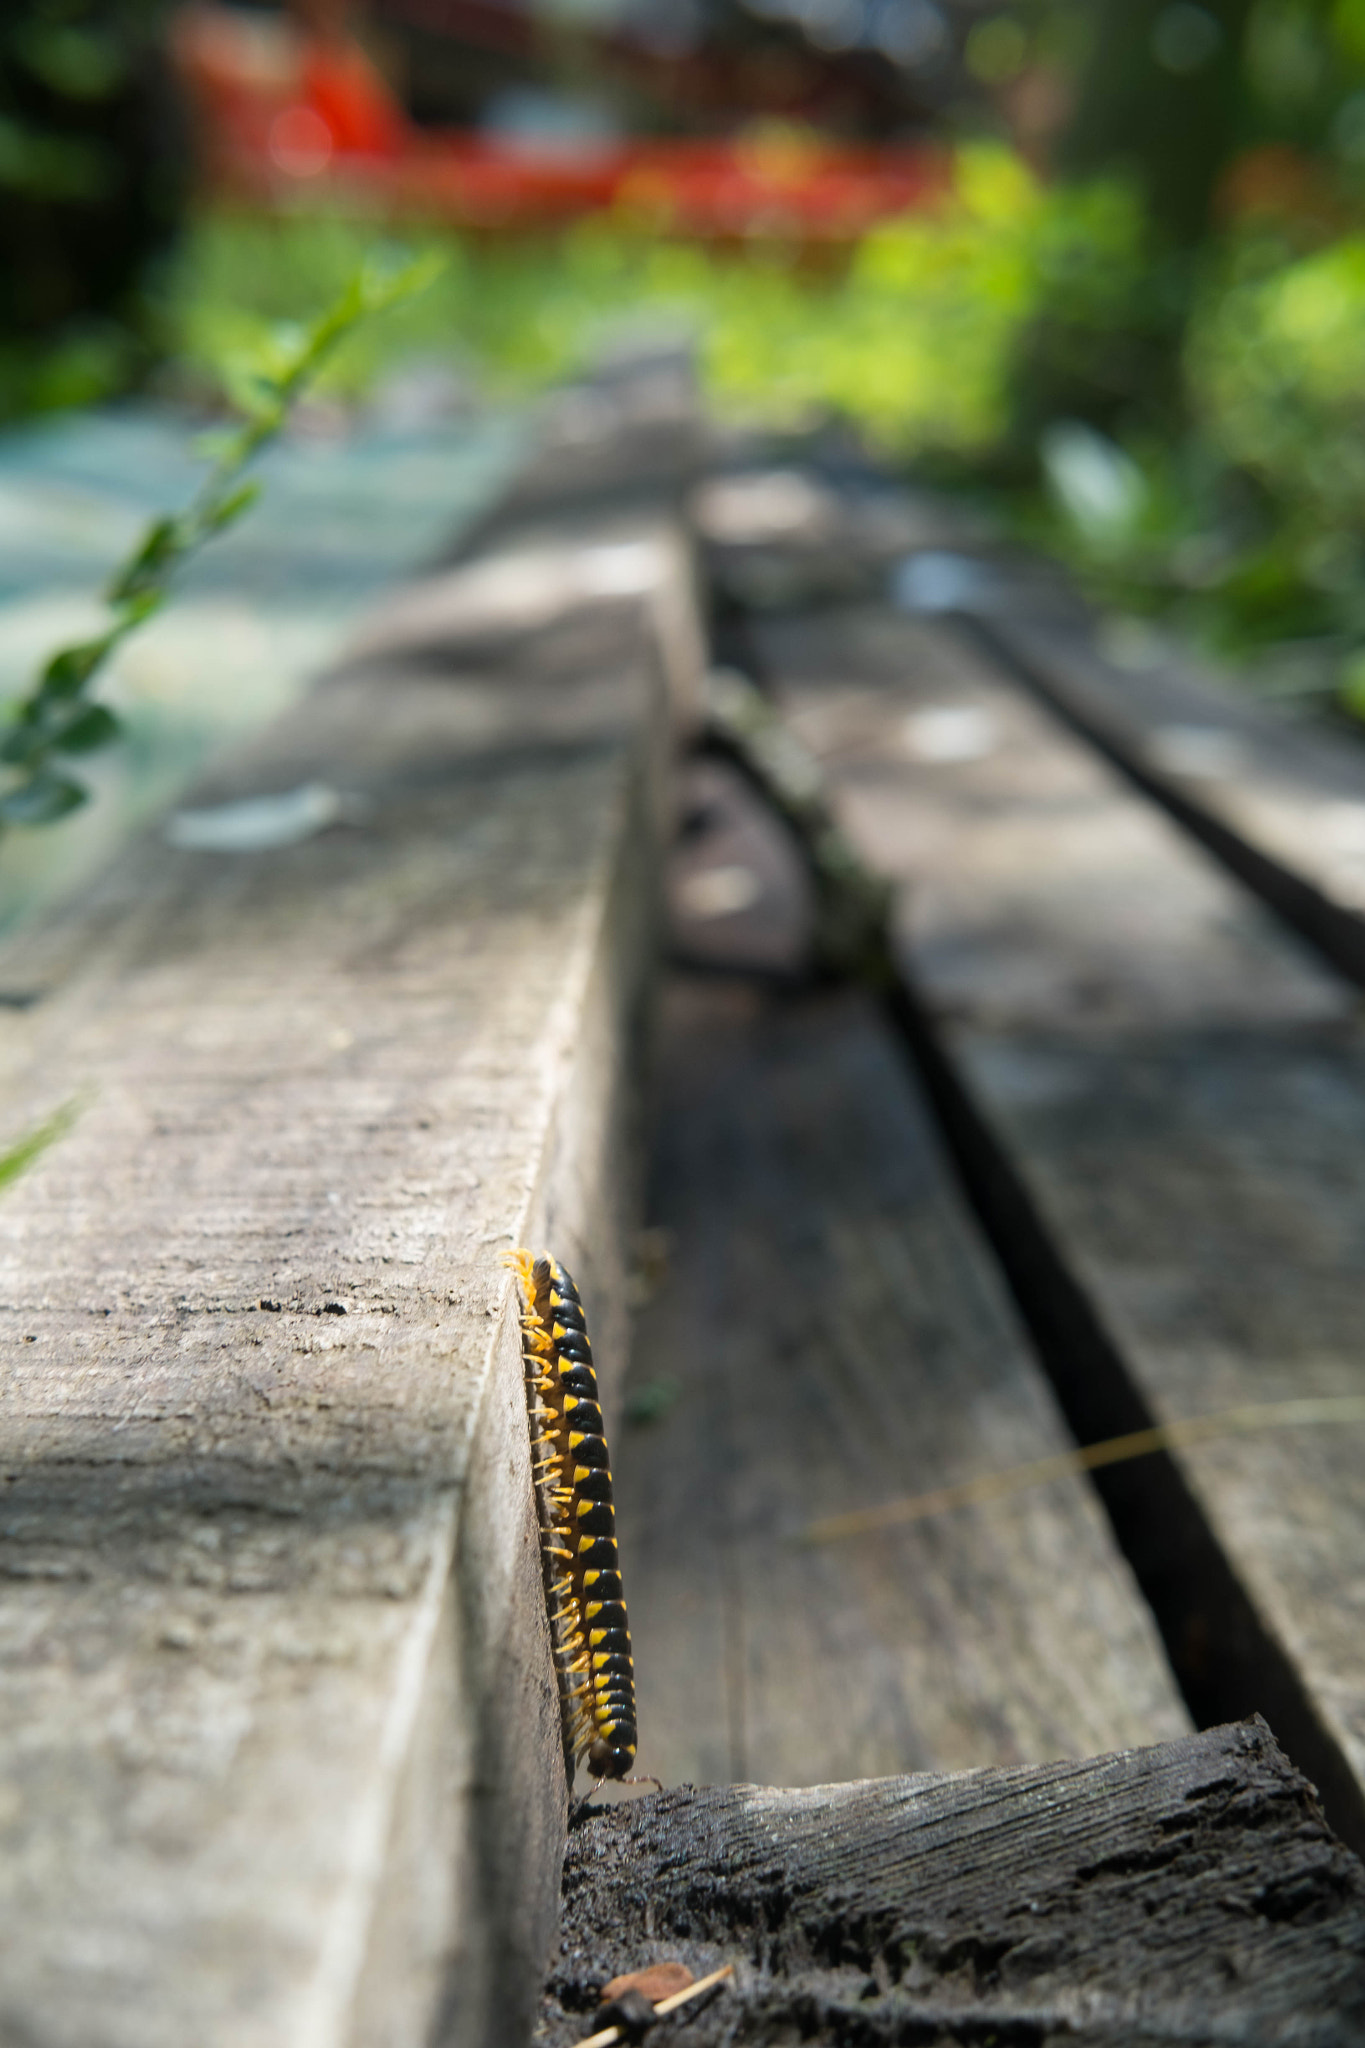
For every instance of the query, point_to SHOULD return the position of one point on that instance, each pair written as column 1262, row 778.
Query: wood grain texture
column 1180, row 1089
column 780, row 530
column 625, row 441
column 829, row 1331
column 1281, row 807
column 1278, row 797
column 1187, row 1893
column 281, row 1760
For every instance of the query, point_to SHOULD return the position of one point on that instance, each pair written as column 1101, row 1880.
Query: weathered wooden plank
column 281, row 1757
column 1180, row 1091
column 1042, row 890
column 1279, row 799
column 1186, row 1893
column 626, row 439
column 778, row 531
column 828, row 1330
column 1283, row 805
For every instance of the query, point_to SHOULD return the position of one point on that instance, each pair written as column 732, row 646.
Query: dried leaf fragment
column 660, row 1980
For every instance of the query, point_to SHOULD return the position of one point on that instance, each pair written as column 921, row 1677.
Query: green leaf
column 49, row 166
column 252, row 390
column 76, row 62
column 41, row 800
column 22, row 1153
column 93, row 727
column 135, row 610
column 393, row 276
column 162, row 542
column 24, row 742
column 231, row 507
column 71, row 668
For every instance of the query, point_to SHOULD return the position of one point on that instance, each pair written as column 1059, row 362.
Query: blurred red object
column 341, row 86
column 288, row 110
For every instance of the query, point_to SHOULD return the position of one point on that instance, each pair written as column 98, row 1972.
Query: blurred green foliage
column 1277, row 366
column 1244, row 524
column 918, row 336
column 1232, row 467
column 92, row 175
column 1003, row 339
column 1150, row 359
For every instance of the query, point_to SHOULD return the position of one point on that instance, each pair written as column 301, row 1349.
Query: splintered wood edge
column 1147, row 1866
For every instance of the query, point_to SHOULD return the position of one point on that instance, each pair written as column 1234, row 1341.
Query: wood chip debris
column 627, row 1988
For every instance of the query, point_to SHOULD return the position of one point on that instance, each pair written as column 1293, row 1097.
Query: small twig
column 1114, row 1450
column 610, row 2035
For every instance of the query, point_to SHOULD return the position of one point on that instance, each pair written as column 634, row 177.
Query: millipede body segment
column 578, row 1522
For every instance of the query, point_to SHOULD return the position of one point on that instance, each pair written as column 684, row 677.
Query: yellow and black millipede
column 572, row 1476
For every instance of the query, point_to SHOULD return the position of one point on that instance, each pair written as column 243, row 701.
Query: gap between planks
column 1159, row 1102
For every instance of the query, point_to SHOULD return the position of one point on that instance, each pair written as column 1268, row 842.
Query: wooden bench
column 282, row 1761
